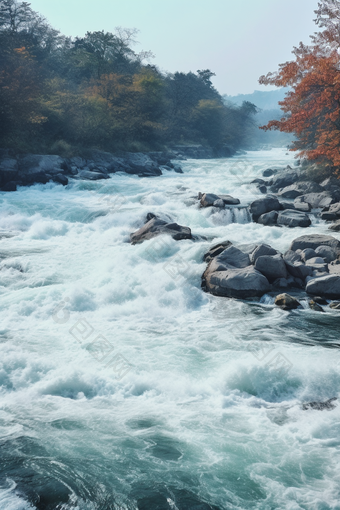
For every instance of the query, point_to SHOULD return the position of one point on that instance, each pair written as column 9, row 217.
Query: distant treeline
column 65, row 95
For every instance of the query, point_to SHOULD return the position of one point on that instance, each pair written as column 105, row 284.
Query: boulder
column 268, row 219
column 258, row 181
column 284, row 179
column 264, row 205
column 236, row 283
column 299, row 270
column 291, row 257
column 36, row 164
column 61, row 179
column 299, row 188
column 178, row 169
column 300, row 205
column 9, row 186
column 314, row 200
column 335, row 305
column 330, row 183
column 332, row 213
column 320, row 301
column 327, row 253
column 156, row 227
column 208, row 199
column 307, row 254
column 272, row 267
column 260, row 251
column 314, row 241
column 269, row 172
column 9, row 171
column 215, row 250
column 315, row 306
column 293, row 219
column 286, row 205
column 230, row 258
column 326, row 286
column 286, row 302
column 317, row 264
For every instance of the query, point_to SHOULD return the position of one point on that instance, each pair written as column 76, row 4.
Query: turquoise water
column 124, row 386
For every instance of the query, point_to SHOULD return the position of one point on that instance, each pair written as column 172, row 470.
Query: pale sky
column 237, row 39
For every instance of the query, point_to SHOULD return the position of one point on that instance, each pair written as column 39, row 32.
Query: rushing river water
column 124, row 386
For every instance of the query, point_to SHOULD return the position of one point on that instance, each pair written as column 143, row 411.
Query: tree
column 311, row 108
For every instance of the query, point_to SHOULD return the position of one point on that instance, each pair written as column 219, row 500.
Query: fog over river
column 125, row 386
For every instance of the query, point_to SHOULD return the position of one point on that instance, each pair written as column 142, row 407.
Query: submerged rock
column 320, row 406
column 155, row 227
column 287, row 302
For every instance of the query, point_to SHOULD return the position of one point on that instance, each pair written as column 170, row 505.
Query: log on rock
column 156, row 227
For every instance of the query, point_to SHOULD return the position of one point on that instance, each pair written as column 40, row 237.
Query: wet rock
column 299, row 188
column 156, row 227
column 291, row 257
column 208, row 199
column 314, row 241
column 92, row 176
column 268, row 219
column 327, row 253
column 260, row 251
column 335, row 305
column 284, row 179
column 286, row 302
column 299, row 270
column 216, row 250
column 264, row 205
column 9, row 186
column 258, row 181
column 286, row 205
column 272, row 267
column 269, row 172
column 315, row 306
column 178, row 169
column 320, row 406
column 293, row 219
column 281, row 283
column 326, row 286
column 262, row 189
column 320, row 301
column 236, row 283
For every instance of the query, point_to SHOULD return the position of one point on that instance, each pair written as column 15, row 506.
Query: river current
column 124, row 386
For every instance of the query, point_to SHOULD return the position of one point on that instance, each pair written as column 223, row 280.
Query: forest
column 62, row 95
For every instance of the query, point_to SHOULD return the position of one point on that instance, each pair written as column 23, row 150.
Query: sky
column 239, row 40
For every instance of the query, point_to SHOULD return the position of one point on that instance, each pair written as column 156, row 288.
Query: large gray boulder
column 35, row 164
column 241, row 283
column 300, row 188
column 264, row 205
column 326, row 286
column 230, row 258
column 314, row 200
column 268, row 219
column 314, row 241
column 292, row 219
column 156, row 227
column 317, row 264
column 260, row 251
column 272, row 267
column 327, row 253
column 284, row 179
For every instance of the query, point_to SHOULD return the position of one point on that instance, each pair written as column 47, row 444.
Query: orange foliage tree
column 312, row 106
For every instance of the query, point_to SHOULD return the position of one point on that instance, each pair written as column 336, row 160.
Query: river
column 124, row 386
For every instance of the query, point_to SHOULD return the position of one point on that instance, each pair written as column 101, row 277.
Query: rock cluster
column 155, row 226
column 33, row 168
column 312, row 263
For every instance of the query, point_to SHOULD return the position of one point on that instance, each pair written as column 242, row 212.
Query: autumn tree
column 311, row 107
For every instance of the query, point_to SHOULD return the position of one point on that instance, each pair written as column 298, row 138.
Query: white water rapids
column 124, row 386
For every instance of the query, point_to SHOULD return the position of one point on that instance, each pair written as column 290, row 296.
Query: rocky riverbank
column 25, row 170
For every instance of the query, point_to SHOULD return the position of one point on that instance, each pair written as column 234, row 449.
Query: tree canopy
column 311, row 107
